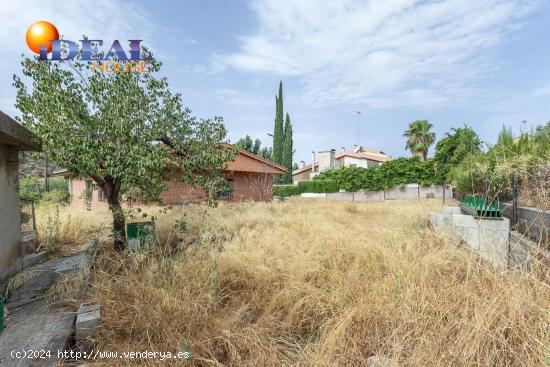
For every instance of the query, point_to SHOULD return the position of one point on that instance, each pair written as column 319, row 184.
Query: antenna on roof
column 358, row 113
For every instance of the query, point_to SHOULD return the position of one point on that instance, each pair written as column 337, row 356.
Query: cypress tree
column 278, row 137
column 287, row 151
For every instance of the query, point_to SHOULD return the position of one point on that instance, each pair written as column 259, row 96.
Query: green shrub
column 392, row 173
column 319, row 186
column 29, row 187
column 55, row 196
column 283, row 191
column 32, row 188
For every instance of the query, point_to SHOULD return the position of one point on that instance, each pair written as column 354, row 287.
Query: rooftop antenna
column 358, row 114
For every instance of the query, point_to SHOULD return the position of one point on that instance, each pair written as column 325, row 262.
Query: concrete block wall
column 489, row 238
column 368, row 196
column 340, row 196
column 407, row 192
column 436, row 190
column 313, row 195
column 402, row 192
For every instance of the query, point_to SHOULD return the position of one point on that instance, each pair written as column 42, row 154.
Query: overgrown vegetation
column 451, row 150
column 316, row 186
column 33, row 188
column 283, row 191
column 492, row 172
column 318, row 283
column 390, row 174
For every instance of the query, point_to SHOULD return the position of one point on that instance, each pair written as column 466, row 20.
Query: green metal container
column 480, row 207
column 140, row 235
column 1, row 314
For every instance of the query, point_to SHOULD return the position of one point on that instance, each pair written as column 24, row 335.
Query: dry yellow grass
column 65, row 227
column 318, row 284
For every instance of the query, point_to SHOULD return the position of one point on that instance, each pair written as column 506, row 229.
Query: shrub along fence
column 316, row 186
column 328, row 189
column 410, row 191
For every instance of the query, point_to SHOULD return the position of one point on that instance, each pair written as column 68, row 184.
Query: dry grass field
column 307, row 283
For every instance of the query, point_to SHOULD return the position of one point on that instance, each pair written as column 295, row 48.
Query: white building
column 359, row 157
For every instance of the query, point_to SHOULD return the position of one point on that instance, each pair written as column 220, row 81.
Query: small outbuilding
column 13, row 139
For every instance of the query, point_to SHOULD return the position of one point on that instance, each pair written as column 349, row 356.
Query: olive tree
column 124, row 130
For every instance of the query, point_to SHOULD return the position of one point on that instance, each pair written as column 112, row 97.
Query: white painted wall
column 347, row 161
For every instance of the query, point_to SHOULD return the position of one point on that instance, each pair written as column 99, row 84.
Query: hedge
column 390, row 174
column 285, row 190
column 318, row 186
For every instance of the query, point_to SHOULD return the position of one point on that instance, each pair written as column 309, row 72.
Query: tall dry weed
column 319, row 284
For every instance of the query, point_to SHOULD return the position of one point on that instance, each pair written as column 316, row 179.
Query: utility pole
column 358, row 114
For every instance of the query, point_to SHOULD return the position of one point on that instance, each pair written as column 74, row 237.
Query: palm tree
column 419, row 138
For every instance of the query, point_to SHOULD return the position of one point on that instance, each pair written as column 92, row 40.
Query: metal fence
column 532, row 222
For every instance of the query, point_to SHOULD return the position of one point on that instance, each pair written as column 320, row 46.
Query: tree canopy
column 254, row 147
column 491, row 172
column 124, row 130
column 288, row 151
column 419, row 138
column 454, row 147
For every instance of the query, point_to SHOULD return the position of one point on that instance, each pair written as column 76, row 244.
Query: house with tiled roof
column 358, row 157
column 250, row 178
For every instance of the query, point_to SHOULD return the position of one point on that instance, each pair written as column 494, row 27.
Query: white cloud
column 380, row 53
column 543, row 91
column 241, row 99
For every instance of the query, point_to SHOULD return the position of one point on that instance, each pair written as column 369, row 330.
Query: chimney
column 356, row 148
column 302, row 164
column 343, row 149
column 313, row 164
column 326, row 160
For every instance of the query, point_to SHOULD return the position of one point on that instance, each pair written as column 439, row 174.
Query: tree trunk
column 112, row 193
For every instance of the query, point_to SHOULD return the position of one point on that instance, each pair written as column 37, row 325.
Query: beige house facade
column 330, row 159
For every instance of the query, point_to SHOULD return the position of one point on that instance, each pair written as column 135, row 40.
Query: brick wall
column 247, row 186
column 180, row 192
column 251, row 186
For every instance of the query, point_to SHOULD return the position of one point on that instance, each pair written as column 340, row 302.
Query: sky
column 484, row 63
